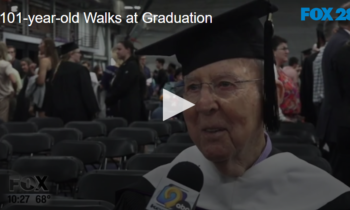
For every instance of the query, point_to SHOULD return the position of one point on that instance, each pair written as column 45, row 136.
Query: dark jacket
column 73, row 98
column 306, row 90
column 126, row 97
column 327, row 121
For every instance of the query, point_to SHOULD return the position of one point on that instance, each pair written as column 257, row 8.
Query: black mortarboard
column 235, row 34
column 172, row 65
column 66, row 48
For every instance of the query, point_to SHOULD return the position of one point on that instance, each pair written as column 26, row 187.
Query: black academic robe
column 126, row 97
column 162, row 79
column 73, row 97
column 341, row 156
column 306, row 90
column 327, row 124
column 142, row 192
column 23, row 103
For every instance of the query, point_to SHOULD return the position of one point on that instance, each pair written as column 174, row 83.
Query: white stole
column 281, row 181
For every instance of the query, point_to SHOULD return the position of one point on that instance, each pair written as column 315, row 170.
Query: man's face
column 32, row 68
column 227, row 117
column 11, row 51
column 143, row 60
column 121, row 51
column 159, row 65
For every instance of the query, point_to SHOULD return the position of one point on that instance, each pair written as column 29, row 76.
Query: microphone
column 179, row 190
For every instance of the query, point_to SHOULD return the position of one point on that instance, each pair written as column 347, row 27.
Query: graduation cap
column 67, row 47
column 235, row 34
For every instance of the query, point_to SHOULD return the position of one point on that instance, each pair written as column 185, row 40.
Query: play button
column 173, row 104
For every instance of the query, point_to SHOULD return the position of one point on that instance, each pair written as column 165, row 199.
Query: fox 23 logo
column 172, row 197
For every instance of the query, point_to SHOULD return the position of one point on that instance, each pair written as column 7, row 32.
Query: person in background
column 13, row 101
column 48, row 60
column 87, row 64
column 16, row 64
column 290, row 105
column 157, row 114
column 146, row 70
column 155, row 75
column 108, row 76
column 72, row 92
column 34, row 67
column 8, row 82
column 23, row 112
column 294, row 63
column 171, row 72
column 333, row 123
column 330, row 28
column 307, row 79
column 94, row 81
column 128, row 89
column 98, row 72
column 280, row 51
column 162, row 76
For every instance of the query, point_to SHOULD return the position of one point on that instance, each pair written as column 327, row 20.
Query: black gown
column 306, row 90
column 73, row 98
column 126, row 97
column 142, row 192
column 23, row 103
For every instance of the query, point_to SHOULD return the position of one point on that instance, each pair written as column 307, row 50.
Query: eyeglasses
column 222, row 89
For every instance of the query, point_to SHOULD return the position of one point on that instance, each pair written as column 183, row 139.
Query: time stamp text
column 29, row 198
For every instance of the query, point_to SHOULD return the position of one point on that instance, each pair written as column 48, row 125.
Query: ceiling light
column 132, row 7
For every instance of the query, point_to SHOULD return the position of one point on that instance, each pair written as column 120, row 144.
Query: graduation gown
column 126, row 96
column 23, row 103
column 72, row 94
column 282, row 181
column 306, row 90
column 340, row 159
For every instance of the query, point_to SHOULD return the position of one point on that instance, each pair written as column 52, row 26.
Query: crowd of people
column 50, row 87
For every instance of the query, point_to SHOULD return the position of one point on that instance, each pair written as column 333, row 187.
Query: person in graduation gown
column 72, row 93
column 128, row 90
column 307, row 80
column 229, row 75
column 23, row 103
column 341, row 155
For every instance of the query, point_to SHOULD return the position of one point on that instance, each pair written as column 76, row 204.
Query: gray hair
column 328, row 28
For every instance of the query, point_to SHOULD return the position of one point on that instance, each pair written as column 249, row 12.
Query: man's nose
column 206, row 102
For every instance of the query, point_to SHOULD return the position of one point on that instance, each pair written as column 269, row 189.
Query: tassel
column 271, row 116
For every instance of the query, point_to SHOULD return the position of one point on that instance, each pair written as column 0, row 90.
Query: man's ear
column 280, row 91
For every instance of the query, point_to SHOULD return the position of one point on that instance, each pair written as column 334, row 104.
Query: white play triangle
column 173, row 104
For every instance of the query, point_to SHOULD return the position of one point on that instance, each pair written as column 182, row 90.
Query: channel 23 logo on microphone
column 173, row 198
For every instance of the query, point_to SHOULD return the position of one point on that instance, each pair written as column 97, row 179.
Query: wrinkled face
column 281, row 53
column 226, row 119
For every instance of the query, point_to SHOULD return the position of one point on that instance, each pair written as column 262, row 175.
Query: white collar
column 282, row 181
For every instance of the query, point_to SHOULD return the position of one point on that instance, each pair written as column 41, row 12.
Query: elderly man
column 228, row 75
